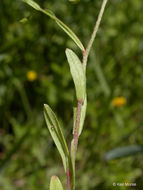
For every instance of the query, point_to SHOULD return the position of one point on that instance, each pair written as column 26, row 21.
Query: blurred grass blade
column 57, row 135
column 82, row 116
column 23, row 20
column 69, row 32
column 55, row 183
column 24, row 97
column 123, row 152
column 73, row 163
column 16, row 146
column 95, row 63
column 78, row 74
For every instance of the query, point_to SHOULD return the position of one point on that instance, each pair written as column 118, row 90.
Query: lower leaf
column 55, row 183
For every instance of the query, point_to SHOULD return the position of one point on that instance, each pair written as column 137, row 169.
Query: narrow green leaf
column 16, row 146
column 123, row 152
column 33, row 4
column 78, row 74
column 48, row 13
column 69, row 32
column 55, row 183
column 57, row 135
column 82, row 116
column 73, row 163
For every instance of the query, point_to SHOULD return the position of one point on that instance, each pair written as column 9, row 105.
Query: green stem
column 85, row 54
column 84, row 63
column 76, row 135
column 90, row 43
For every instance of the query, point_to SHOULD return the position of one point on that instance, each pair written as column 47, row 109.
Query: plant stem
column 76, row 135
column 84, row 62
column 85, row 54
column 94, row 33
column 68, row 180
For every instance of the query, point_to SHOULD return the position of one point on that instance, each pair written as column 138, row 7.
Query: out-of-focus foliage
column 31, row 42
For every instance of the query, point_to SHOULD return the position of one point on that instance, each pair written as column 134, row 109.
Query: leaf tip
column 54, row 177
column 67, row 50
column 45, row 105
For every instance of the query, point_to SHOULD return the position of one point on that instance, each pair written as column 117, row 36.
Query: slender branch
column 94, row 33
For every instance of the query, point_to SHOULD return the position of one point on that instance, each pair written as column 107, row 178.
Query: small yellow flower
column 31, row 75
column 119, row 101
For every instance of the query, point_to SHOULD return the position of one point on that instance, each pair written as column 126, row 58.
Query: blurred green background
column 34, row 71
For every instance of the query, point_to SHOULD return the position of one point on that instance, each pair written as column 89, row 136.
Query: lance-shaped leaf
column 57, row 135
column 78, row 74
column 123, row 152
column 69, row 32
column 82, row 116
column 33, row 4
column 55, row 183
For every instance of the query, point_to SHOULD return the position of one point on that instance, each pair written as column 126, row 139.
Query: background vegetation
column 34, row 71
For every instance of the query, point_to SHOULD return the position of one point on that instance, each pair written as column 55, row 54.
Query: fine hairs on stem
column 78, row 72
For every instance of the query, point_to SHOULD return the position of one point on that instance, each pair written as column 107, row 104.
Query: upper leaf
column 57, row 135
column 33, row 4
column 78, row 74
column 69, row 32
column 55, row 183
